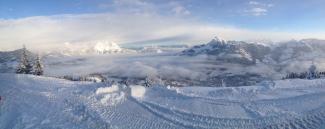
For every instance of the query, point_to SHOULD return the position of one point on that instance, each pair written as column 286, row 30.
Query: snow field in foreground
column 31, row 102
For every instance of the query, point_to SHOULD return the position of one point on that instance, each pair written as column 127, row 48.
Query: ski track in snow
column 31, row 102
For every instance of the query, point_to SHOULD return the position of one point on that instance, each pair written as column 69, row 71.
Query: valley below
column 216, row 85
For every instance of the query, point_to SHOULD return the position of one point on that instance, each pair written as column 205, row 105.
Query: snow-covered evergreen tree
column 312, row 73
column 24, row 66
column 148, row 82
column 223, row 83
column 38, row 67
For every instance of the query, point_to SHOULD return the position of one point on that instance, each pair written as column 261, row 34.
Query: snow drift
column 138, row 91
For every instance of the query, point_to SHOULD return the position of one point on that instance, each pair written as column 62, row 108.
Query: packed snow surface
column 30, row 102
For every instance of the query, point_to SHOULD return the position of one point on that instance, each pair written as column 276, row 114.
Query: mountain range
column 282, row 57
column 251, row 53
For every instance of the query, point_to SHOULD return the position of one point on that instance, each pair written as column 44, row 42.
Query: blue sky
column 270, row 19
column 290, row 15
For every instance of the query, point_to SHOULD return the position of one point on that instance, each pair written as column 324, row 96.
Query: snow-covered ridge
column 230, row 51
column 306, row 49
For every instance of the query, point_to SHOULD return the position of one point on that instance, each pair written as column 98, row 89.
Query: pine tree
column 147, row 82
column 312, row 74
column 38, row 67
column 223, row 83
column 24, row 66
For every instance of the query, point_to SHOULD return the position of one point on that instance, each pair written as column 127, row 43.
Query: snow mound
column 138, row 91
column 113, row 98
column 110, row 89
column 110, row 95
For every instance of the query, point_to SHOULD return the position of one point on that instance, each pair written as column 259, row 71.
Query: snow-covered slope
column 30, row 102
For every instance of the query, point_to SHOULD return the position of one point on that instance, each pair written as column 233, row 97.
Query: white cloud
column 253, row 3
column 257, row 11
column 133, row 21
column 257, row 8
column 179, row 9
column 51, row 31
column 134, row 6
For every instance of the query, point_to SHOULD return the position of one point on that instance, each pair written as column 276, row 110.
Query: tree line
column 311, row 74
